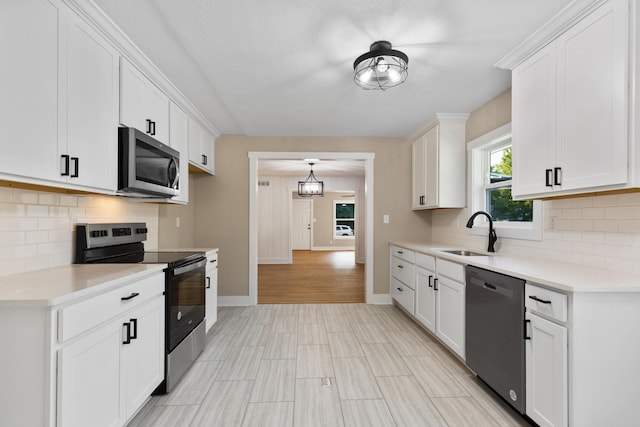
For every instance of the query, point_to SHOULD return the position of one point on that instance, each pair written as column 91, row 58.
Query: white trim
column 368, row 158
column 476, row 150
column 274, row 261
column 234, row 301
column 381, row 299
column 574, row 12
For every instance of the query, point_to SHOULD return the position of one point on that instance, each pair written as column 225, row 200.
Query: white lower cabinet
column 546, row 356
column 546, row 360
column 432, row 291
column 450, row 317
column 88, row 362
column 211, row 291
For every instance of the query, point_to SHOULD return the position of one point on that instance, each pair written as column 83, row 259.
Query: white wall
column 274, row 218
column 597, row 231
column 37, row 228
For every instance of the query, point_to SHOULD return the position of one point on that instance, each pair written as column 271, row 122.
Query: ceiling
column 285, row 67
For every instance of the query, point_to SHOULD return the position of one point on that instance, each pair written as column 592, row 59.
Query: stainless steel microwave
column 146, row 167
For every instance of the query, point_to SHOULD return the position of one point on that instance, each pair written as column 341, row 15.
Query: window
column 490, row 189
column 344, row 218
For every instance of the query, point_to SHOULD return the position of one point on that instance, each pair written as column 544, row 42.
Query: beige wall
column 221, row 202
column 171, row 235
column 323, row 226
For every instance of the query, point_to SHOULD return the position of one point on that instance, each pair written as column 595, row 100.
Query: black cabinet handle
column 548, row 173
column 76, row 167
column 557, row 176
column 430, row 278
column 127, row 339
column 435, row 284
column 526, row 337
column 132, row 296
column 400, row 289
column 134, row 335
column 401, row 266
column 204, row 159
column 422, row 200
column 65, row 165
column 208, row 282
column 148, row 126
column 153, row 128
column 543, row 301
column 400, row 252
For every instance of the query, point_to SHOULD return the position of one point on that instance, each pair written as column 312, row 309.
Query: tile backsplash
column 597, row 231
column 37, row 228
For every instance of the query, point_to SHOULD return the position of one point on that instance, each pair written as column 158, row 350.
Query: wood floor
column 314, row 277
column 325, row 365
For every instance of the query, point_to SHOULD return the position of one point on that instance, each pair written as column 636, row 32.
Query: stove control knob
column 179, row 316
column 104, row 233
column 95, row 233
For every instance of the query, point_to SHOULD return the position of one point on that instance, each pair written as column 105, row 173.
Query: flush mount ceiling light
column 310, row 187
column 381, row 67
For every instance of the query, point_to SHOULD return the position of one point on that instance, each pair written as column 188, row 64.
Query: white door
column 450, row 313
column 425, row 298
column 301, row 232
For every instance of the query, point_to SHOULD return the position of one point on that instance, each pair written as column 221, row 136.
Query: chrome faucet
column 492, row 233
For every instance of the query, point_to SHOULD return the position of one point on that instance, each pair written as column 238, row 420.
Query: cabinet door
column 546, row 366
column 133, row 88
column 92, row 107
column 143, row 357
column 425, row 298
column 432, row 168
column 211, row 296
column 29, row 31
column 592, row 99
column 201, row 148
column 534, row 122
column 179, row 140
column 450, row 313
column 89, row 372
column 419, row 177
column 157, row 110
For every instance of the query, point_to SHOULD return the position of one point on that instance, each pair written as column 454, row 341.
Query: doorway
column 367, row 238
column 301, row 225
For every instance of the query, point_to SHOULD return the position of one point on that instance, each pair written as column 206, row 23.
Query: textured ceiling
column 285, row 67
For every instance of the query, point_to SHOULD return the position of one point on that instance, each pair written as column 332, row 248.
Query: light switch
column 385, row 219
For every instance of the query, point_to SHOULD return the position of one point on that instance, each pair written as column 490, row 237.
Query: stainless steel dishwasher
column 495, row 334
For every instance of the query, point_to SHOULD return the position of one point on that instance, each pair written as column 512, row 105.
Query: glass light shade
column 381, row 67
column 311, row 187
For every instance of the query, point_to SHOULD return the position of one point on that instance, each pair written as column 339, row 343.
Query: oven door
column 185, row 302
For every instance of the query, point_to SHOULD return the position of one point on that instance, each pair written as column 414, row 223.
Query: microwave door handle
column 173, row 172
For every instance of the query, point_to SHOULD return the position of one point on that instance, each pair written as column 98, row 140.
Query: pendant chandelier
column 311, row 187
column 381, row 67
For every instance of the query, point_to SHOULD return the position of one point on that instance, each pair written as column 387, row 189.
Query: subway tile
column 32, row 237
column 24, row 196
column 68, row 200
column 609, row 200
column 5, row 194
column 12, row 210
column 617, row 212
column 47, row 199
column 605, row 226
column 629, row 226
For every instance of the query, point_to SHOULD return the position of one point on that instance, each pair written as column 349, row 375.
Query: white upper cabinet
column 142, row 105
column 570, row 107
column 179, row 140
column 201, row 149
column 439, row 163
column 59, row 109
column 92, row 107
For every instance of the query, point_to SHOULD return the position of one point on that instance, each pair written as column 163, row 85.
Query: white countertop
column 558, row 275
column 60, row 285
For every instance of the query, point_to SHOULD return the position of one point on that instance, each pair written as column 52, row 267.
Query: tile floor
column 325, row 365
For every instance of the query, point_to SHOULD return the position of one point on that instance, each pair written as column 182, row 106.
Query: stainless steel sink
column 463, row 252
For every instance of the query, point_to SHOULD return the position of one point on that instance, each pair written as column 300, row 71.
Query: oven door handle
column 189, row 267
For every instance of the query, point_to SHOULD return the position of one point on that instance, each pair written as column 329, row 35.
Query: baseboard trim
column 380, row 299
column 333, row 248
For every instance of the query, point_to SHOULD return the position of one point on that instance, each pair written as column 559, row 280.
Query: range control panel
column 99, row 235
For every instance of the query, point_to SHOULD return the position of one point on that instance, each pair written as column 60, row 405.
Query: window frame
column 478, row 170
column 335, row 220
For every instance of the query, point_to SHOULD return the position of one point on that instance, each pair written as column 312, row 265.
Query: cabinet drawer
column 426, row 261
column 402, row 253
column 545, row 301
column 403, row 294
column 403, row 271
column 80, row 317
column 451, row 270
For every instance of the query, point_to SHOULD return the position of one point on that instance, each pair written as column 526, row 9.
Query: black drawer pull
column 65, row 165
column 557, row 176
column 76, row 167
column 204, row 159
column 543, row 301
column 430, row 278
column 134, row 335
column 548, row 174
column 208, row 282
column 400, row 252
column 400, row 289
column 132, row 296
column 401, row 266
